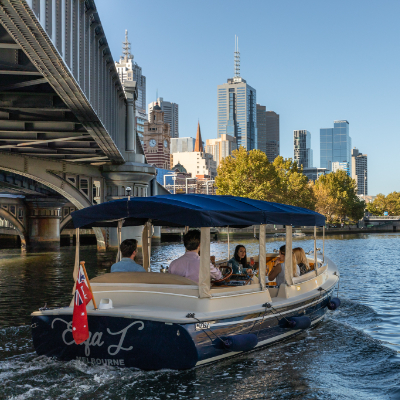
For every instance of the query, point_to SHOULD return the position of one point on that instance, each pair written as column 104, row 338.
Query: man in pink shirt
column 189, row 264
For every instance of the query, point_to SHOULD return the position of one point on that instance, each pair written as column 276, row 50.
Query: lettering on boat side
column 202, row 325
column 99, row 361
column 95, row 339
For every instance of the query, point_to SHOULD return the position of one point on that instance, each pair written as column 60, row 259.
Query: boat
column 152, row 320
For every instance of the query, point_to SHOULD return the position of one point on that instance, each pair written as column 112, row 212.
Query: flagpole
column 82, row 263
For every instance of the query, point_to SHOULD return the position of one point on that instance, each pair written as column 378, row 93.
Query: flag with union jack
column 80, row 328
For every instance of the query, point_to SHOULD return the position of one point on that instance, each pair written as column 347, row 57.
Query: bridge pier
column 44, row 222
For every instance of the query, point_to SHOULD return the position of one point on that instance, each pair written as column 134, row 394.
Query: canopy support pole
column 262, row 260
column 315, row 250
column 288, row 256
column 119, row 238
column 204, row 274
column 76, row 265
column 323, row 244
column 146, row 249
column 229, row 252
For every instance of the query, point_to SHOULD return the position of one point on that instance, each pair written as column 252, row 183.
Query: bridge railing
column 383, row 217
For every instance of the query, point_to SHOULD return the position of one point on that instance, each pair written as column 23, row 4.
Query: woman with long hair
column 278, row 270
column 302, row 261
column 239, row 258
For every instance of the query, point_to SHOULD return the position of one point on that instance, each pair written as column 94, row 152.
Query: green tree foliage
column 336, row 195
column 382, row 203
column 294, row 188
column 250, row 174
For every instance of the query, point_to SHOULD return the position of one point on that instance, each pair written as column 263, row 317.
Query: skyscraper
column 303, row 153
column 268, row 132
column 335, row 145
column 128, row 70
column 359, row 171
column 237, row 113
column 171, row 115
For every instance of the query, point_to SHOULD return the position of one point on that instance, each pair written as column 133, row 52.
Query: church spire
column 198, row 146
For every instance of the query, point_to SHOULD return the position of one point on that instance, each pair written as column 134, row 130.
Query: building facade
column 237, row 111
column 268, row 132
column 182, row 145
column 221, row 147
column 314, row 173
column 197, row 163
column 335, row 145
column 341, row 166
column 359, row 171
column 303, row 153
column 171, row 114
column 128, row 70
column 156, row 139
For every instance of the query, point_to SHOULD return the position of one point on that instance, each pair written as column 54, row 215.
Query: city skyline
column 361, row 89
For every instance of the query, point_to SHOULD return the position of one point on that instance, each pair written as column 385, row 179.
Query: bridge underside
column 34, row 121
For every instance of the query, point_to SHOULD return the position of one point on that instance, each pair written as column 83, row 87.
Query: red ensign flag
column 80, row 329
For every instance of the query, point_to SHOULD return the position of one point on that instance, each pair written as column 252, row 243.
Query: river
column 354, row 353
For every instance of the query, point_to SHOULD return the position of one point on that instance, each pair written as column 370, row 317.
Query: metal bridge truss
column 60, row 94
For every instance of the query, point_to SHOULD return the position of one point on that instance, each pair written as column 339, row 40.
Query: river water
column 354, row 353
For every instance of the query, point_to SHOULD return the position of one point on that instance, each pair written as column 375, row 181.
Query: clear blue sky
column 312, row 62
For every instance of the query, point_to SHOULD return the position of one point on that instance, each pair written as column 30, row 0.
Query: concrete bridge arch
column 63, row 178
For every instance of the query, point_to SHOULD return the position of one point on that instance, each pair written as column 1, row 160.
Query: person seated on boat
column 189, row 264
column 302, row 261
column 278, row 270
column 127, row 264
column 239, row 258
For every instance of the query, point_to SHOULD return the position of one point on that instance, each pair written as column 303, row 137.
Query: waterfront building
column 268, row 132
column 344, row 166
column 313, row 173
column 359, row 171
column 171, row 114
column 303, row 153
column 128, row 70
column 237, row 112
column 156, row 139
column 335, row 145
column 198, row 163
column 221, row 147
column 182, row 145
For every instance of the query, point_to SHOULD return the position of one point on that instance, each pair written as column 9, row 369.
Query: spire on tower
column 126, row 48
column 237, row 58
column 198, row 146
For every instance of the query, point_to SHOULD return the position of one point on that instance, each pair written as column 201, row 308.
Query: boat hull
column 154, row 345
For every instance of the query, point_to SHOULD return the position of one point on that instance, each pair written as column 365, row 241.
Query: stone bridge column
column 44, row 217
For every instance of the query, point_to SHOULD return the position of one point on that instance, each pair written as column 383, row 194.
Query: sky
column 310, row 61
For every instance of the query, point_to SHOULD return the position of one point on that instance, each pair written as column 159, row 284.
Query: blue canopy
column 194, row 210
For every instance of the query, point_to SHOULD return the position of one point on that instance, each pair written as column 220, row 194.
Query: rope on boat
column 193, row 315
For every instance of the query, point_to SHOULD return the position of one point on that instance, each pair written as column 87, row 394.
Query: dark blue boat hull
column 153, row 345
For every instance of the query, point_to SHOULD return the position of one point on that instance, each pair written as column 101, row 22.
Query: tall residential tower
column 237, row 113
column 359, row 171
column 303, row 153
column 128, row 70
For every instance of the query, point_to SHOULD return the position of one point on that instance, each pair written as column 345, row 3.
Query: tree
column 250, row 174
column 247, row 174
column 295, row 188
column 336, row 195
column 382, row 203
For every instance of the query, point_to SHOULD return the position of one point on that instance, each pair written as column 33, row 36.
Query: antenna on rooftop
column 126, row 48
column 237, row 58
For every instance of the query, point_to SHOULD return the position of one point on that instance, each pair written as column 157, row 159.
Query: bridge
column 67, row 125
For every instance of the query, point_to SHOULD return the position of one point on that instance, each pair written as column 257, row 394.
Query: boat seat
column 155, row 278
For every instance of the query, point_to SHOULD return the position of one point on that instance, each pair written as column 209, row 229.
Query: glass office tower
column 237, row 114
column 303, row 153
column 335, row 145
